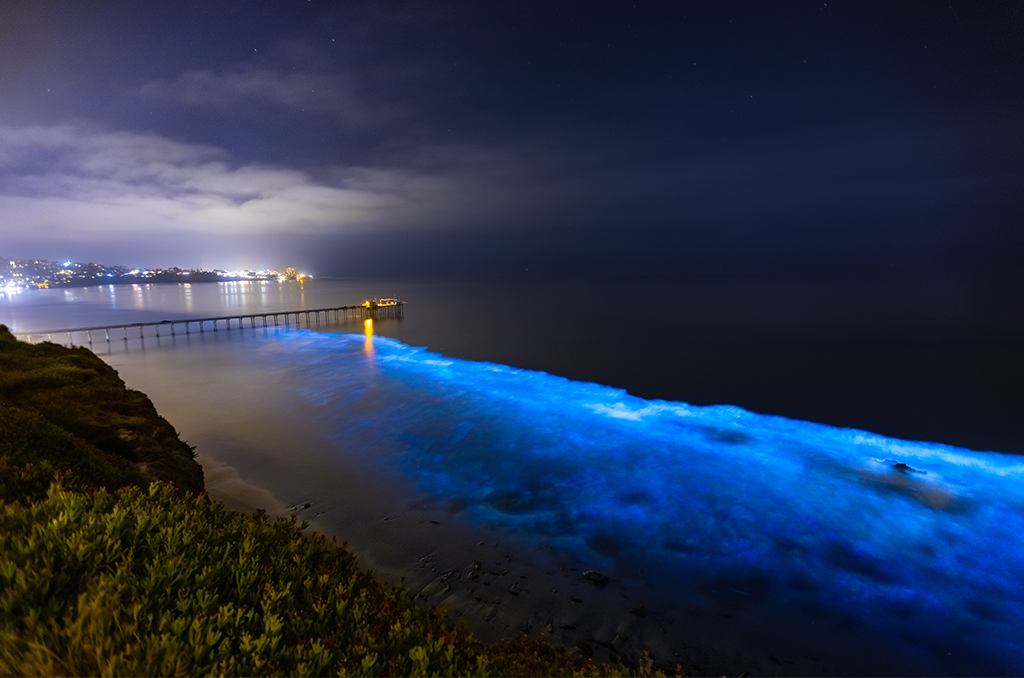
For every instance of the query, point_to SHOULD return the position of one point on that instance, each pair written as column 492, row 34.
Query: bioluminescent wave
column 919, row 542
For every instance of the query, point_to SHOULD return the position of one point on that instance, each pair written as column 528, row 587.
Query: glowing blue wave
column 920, row 540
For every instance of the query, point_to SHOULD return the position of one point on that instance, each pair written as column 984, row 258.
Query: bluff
column 73, row 408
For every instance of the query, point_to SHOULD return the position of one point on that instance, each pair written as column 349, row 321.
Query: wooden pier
column 375, row 309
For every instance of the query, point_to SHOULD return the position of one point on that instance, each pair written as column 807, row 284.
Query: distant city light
column 40, row 273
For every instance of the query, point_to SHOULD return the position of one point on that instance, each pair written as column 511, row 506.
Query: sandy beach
column 501, row 586
column 497, row 585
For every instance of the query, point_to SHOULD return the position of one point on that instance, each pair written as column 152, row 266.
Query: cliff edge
column 68, row 404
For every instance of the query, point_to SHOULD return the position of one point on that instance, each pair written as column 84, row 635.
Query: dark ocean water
column 671, row 436
column 919, row 361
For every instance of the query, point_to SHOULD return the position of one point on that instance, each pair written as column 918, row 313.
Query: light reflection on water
column 368, row 331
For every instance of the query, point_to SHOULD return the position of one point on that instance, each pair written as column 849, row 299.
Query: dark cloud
column 709, row 139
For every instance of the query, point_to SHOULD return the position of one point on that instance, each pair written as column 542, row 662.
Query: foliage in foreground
column 148, row 583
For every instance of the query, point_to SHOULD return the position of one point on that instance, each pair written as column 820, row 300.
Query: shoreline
column 498, row 585
column 501, row 586
column 724, row 613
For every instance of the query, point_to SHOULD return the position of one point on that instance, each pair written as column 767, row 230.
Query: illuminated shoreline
column 721, row 511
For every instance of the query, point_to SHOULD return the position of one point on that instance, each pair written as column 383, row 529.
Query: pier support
column 318, row 315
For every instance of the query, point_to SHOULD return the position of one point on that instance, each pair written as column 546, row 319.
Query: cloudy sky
column 665, row 139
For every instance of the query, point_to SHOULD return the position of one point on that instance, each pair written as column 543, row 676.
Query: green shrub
column 35, row 452
column 148, row 583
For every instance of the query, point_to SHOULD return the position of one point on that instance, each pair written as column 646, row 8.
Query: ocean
column 720, row 473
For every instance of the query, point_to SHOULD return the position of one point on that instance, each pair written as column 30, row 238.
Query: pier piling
column 375, row 309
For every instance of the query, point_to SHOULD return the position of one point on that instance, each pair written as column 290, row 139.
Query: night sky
column 805, row 140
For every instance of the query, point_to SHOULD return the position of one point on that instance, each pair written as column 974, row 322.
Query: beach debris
column 513, row 589
column 596, row 577
column 638, row 610
column 576, row 599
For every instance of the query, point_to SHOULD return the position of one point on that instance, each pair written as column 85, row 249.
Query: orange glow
column 368, row 329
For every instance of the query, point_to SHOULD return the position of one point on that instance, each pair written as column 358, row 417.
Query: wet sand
column 501, row 586
column 497, row 585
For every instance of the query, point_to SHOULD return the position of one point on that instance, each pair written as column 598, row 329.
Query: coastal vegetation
column 113, row 561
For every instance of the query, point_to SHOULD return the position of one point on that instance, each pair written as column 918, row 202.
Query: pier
column 378, row 308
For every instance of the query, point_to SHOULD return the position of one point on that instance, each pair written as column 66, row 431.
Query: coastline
column 501, row 587
column 184, row 369
column 709, row 613
column 498, row 585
